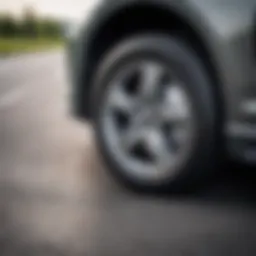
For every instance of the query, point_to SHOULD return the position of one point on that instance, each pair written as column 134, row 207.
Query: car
column 169, row 86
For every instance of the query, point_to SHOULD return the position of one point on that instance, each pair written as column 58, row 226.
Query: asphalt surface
column 57, row 198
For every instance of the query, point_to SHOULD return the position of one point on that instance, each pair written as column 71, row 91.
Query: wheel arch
column 140, row 18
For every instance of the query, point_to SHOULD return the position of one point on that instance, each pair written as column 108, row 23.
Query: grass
column 24, row 45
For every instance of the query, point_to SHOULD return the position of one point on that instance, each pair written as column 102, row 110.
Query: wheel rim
column 147, row 121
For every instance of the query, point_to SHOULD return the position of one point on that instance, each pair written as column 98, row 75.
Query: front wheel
column 154, row 114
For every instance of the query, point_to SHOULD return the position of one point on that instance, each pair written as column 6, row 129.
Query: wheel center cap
column 148, row 115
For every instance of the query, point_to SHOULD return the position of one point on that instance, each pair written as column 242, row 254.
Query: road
column 57, row 198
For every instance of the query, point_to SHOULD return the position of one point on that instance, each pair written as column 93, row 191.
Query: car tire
column 175, row 53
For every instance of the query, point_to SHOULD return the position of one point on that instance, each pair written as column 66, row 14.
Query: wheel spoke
column 155, row 142
column 150, row 79
column 122, row 101
column 174, row 108
column 131, row 137
column 157, row 145
column 173, row 115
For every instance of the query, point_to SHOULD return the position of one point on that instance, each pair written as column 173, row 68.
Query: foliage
column 8, row 25
column 21, row 45
column 30, row 25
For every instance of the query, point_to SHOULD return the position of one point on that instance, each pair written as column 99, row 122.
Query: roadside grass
column 24, row 45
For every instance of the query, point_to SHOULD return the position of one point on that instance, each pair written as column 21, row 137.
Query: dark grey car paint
column 226, row 27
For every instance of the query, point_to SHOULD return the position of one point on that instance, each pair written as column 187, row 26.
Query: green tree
column 30, row 23
column 51, row 28
column 8, row 25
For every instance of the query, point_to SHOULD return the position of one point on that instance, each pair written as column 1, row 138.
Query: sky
column 71, row 9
